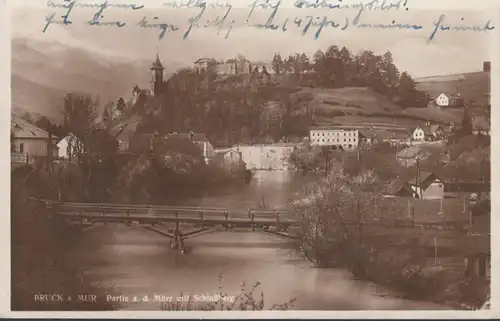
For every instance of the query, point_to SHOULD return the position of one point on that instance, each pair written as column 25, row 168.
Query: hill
column 363, row 107
column 43, row 72
column 474, row 87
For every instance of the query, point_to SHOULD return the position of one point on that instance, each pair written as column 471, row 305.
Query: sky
column 449, row 52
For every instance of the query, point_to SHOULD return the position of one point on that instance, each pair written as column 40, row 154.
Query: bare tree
column 88, row 143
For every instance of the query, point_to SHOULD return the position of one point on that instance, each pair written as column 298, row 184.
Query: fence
column 19, row 158
column 419, row 210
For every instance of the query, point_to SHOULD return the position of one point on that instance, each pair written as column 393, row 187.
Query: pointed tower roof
column 157, row 64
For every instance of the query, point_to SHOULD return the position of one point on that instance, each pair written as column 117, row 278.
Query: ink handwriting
column 96, row 20
column 307, row 24
column 439, row 25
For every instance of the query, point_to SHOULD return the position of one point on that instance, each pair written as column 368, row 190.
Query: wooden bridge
column 275, row 221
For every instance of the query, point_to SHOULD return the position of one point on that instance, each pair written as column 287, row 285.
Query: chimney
column 487, row 66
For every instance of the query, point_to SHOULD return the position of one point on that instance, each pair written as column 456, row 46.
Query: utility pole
column 325, row 151
column 481, row 167
column 417, row 177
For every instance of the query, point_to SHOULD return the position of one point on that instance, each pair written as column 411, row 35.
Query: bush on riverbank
column 40, row 261
column 156, row 177
column 339, row 229
column 246, row 300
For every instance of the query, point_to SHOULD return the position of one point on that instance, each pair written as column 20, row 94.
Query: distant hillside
column 42, row 73
column 474, row 86
column 364, row 107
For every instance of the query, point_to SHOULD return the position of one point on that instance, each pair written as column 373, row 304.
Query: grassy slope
column 356, row 106
column 473, row 86
column 362, row 106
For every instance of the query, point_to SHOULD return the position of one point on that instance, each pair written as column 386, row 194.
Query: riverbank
column 347, row 223
column 139, row 262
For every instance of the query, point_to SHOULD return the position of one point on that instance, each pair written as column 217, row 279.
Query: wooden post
column 435, row 250
column 201, row 217
column 409, row 208
column 226, row 218
column 175, row 241
column 252, row 215
column 104, row 216
column 278, row 221
column 441, row 207
column 465, row 206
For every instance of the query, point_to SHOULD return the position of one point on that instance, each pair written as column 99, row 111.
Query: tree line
column 336, row 68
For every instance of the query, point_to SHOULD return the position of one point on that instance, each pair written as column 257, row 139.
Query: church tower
column 157, row 70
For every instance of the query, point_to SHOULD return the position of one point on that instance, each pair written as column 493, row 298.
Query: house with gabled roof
column 427, row 132
column 449, row 100
column 29, row 141
column 425, row 185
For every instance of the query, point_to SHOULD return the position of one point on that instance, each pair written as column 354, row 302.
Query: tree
column 333, row 212
column 466, row 128
column 90, row 147
column 277, row 64
column 390, row 74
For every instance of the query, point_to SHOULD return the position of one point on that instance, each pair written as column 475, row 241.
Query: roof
column 411, row 152
column 21, row 128
column 125, row 129
column 451, row 95
column 157, row 64
column 396, row 135
column 196, row 137
column 480, row 123
column 203, row 60
column 435, row 128
column 423, row 177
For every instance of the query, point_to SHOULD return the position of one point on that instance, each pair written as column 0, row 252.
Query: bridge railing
column 110, row 209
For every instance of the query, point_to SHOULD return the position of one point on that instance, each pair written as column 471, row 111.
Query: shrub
column 246, row 300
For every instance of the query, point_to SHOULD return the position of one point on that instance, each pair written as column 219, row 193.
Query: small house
column 29, row 141
column 427, row 132
column 66, row 144
column 427, row 185
column 449, row 100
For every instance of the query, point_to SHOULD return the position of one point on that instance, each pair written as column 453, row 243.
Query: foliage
column 340, row 228
column 41, row 255
column 91, row 147
column 246, row 300
column 333, row 213
column 466, row 128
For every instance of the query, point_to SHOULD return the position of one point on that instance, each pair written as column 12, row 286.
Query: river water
column 138, row 262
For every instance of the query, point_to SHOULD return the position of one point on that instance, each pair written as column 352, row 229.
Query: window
column 21, row 148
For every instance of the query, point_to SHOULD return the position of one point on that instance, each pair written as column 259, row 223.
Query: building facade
column 29, row 142
column 427, row 186
column 342, row 138
column 449, row 100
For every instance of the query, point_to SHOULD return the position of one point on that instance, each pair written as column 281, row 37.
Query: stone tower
column 157, row 69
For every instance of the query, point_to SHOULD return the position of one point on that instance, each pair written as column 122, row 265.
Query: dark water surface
column 139, row 262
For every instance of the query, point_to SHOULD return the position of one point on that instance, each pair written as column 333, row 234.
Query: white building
column 65, row 145
column 449, row 100
column 347, row 139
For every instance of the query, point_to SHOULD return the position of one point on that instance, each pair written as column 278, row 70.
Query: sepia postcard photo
column 219, row 155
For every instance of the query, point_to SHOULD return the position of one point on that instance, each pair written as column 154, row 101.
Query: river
column 138, row 262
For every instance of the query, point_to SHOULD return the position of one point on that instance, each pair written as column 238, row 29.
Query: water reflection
column 139, row 262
